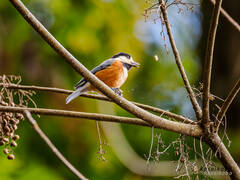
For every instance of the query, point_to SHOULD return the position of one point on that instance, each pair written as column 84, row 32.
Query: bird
column 113, row 72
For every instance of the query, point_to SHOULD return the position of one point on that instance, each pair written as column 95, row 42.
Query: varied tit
column 113, row 72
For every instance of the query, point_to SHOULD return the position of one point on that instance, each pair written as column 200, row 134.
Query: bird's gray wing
column 102, row 66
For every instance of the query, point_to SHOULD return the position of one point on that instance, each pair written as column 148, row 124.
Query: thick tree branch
column 193, row 99
column 104, row 98
column 208, row 62
column 122, row 102
column 227, row 103
column 187, row 129
column 52, row 147
column 228, row 17
column 215, row 142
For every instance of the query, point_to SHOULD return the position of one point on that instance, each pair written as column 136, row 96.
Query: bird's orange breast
column 114, row 75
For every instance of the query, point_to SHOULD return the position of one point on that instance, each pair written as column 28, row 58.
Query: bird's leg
column 118, row 91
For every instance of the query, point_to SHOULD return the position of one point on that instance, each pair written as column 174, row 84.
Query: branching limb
column 227, row 103
column 187, row 129
column 103, row 98
column 228, row 17
column 193, row 99
column 208, row 62
column 52, row 147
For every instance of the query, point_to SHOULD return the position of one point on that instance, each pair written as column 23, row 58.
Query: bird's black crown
column 122, row 54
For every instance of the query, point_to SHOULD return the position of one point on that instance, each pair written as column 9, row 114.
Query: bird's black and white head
column 126, row 59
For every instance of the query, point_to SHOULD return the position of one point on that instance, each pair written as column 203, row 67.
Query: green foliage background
column 92, row 30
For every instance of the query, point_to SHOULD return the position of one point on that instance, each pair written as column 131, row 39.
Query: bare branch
column 193, row 99
column 75, row 114
column 227, row 103
column 216, row 144
column 52, row 147
column 38, row 88
column 187, row 129
column 208, row 62
column 122, row 102
column 104, row 98
column 228, row 17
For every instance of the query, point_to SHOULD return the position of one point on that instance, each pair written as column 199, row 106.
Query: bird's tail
column 75, row 94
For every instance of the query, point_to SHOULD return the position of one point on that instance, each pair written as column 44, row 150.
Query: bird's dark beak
column 135, row 64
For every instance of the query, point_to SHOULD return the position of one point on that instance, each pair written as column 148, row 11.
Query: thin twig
column 227, row 103
column 225, row 132
column 52, row 147
column 202, row 155
column 187, row 129
column 101, row 151
column 103, row 98
column 150, row 151
column 182, row 155
column 228, row 17
column 208, row 63
column 193, row 99
column 186, row 168
column 164, row 151
column 195, row 150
